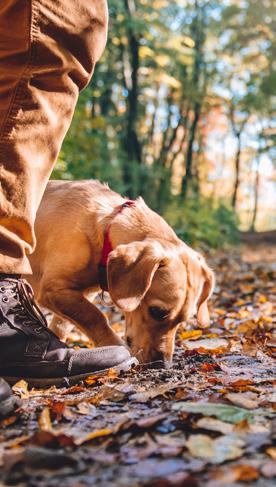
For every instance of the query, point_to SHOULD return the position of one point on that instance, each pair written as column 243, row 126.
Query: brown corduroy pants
column 48, row 50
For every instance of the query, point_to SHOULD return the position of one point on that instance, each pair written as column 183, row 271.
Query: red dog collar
column 107, row 247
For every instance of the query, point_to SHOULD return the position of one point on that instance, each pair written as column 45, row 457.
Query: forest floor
column 209, row 421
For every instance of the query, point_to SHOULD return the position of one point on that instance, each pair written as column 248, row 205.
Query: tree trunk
column 256, row 196
column 131, row 144
column 237, row 172
column 189, row 155
column 199, row 32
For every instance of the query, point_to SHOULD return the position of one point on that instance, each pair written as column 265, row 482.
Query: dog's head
column 158, row 289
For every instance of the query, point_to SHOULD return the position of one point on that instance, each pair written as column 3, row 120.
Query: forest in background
column 180, row 111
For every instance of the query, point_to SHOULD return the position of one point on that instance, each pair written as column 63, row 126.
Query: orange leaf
column 93, row 435
column 219, row 311
column 246, row 472
column 190, row 335
column 271, row 451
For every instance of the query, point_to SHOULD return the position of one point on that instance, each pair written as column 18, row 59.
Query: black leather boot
column 8, row 402
column 30, row 351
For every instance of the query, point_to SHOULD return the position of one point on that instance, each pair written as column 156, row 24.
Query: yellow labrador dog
column 89, row 237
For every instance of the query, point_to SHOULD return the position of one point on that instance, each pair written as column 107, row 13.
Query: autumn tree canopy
column 180, row 110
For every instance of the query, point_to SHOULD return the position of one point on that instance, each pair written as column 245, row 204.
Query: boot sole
column 73, row 379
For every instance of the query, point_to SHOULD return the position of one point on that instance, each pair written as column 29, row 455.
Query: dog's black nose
column 160, row 361
column 159, row 364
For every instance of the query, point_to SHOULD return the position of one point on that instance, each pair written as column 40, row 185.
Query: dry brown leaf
column 241, row 399
column 235, row 473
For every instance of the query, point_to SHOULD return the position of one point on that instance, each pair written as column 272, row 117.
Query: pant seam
column 19, row 89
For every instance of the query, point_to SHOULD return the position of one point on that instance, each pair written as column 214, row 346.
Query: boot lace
column 26, row 309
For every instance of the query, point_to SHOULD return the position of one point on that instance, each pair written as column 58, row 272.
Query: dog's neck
column 108, row 247
column 129, row 222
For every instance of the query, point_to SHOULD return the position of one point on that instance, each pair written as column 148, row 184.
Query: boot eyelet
column 5, row 299
column 2, row 289
column 38, row 330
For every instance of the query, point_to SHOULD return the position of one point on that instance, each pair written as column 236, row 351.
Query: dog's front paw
column 109, row 338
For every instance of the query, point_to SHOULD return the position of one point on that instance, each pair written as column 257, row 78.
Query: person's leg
column 48, row 50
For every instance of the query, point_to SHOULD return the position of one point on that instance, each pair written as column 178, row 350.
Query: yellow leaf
column 188, row 41
column 44, row 420
column 112, row 374
column 146, row 51
column 91, row 380
column 21, row 387
column 180, row 43
column 162, row 60
column 17, row 441
column 93, row 435
column 190, row 335
column 168, row 80
column 262, row 298
column 219, row 311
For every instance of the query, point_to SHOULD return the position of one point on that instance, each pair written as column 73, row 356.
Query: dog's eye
column 158, row 314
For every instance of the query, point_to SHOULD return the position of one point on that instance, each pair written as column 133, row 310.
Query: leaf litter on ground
column 208, row 421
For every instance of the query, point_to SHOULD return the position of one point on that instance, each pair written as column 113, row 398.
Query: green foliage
column 198, row 222
column 142, row 124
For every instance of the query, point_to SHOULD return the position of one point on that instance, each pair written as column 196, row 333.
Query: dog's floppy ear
column 200, row 285
column 130, row 271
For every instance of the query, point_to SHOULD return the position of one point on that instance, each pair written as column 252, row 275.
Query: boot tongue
column 25, row 293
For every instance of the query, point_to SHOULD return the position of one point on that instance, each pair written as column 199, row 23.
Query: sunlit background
column 180, row 110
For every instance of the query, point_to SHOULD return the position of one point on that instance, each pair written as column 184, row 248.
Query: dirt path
column 206, row 422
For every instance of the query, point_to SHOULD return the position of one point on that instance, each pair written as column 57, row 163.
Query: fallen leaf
column 86, row 409
column 154, row 392
column 213, row 424
column 50, row 439
column 230, row 414
column 44, row 420
column 215, row 450
column 271, row 451
column 219, row 311
column 93, row 435
column 234, row 473
column 239, row 383
column 241, row 399
column 269, row 469
column 209, row 367
column 190, row 335
column 207, row 344
column 14, row 442
column 21, row 388
column 8, row 421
